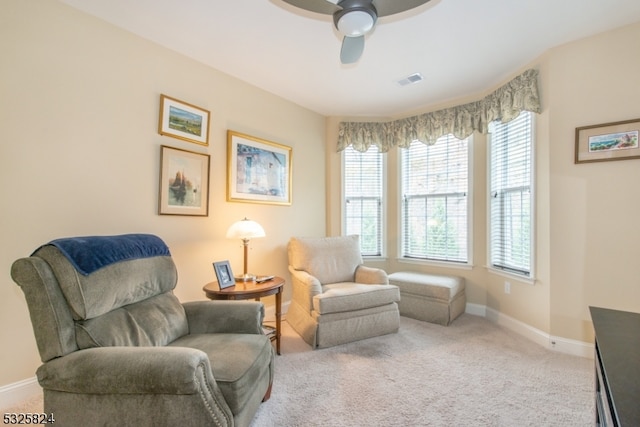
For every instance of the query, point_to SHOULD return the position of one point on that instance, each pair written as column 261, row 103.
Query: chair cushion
column 156, row 321
column 111, row 287
column 238, row 361
column 436, row 286
column 348, row 296
column 329, row 259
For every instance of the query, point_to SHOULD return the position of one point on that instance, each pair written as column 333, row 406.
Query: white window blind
column 511, row 195
column 363, row 194
column 435, row 186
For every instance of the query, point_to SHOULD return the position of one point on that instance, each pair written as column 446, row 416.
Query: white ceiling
column 461, row 47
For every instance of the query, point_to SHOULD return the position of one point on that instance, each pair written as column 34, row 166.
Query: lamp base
column 245, row 278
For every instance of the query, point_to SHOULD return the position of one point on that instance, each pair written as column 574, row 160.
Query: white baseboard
column 562, row 345
column 16, row 393
column 574, row 347
column 476, row 309
column 535, row 335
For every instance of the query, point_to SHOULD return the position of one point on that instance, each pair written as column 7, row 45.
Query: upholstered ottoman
column 430, row 297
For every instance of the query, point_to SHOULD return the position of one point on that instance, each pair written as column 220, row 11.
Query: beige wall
column 79, row 154
column 594, row 235
column 586, row 237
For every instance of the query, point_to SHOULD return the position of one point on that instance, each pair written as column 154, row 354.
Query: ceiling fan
column 355, row 18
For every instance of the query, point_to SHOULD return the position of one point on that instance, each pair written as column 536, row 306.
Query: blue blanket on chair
column 91, row 253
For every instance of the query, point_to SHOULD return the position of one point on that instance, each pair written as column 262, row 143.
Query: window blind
column 510, row 194
column 363, row 192
column 435, row 183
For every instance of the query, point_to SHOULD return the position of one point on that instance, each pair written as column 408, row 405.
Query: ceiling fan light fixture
column 355, row 23
column 355, row 18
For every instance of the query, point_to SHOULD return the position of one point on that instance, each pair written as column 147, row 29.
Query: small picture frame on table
column 224, row 274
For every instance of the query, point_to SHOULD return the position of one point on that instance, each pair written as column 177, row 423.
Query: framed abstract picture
column 258, row 171
column 184, row 182
column 608, row 141
column 183, row 121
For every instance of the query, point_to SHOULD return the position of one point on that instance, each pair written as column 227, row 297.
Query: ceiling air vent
column 413, row 78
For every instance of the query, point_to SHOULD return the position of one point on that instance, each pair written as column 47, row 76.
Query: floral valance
column 505, row 104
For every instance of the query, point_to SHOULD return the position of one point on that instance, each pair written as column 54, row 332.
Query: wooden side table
column 252, row 290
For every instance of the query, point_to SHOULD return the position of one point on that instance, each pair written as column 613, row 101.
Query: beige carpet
column 471, row 373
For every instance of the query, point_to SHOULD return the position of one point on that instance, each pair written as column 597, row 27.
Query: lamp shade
column 245, row 229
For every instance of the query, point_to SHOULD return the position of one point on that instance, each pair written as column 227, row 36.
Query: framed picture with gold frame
column 184, row 182
column 258, row 171
column 608, row 141
column 183, row 121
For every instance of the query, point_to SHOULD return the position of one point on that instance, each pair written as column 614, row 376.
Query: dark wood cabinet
column 617, row 366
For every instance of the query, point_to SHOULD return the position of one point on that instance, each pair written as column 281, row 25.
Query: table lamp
column 245, row 230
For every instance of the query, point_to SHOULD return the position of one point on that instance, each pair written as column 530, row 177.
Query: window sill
column 518, row 277
column 442, row 264
column 378, row 258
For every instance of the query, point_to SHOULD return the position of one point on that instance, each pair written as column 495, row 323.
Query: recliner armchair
column 118, row 348
column 335, row 298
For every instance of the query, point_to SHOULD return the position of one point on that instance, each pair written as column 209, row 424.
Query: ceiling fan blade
column 390, row 7
column 326, row 7
column 352, row 48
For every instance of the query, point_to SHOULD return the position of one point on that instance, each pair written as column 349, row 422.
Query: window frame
column 465, row 265
column 529, row 278
column 383, row 204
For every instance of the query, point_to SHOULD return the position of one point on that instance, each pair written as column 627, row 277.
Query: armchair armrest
column 219, row 317
column 128, row 370
column 304, row 288
column 371, row 276
column 310, row 283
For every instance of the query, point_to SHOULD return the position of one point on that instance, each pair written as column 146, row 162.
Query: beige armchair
column 335, row 298
column 118, row 348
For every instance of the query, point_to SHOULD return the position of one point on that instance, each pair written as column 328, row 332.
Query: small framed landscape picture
column 184, row 182
column 224, row 274
column 183, row 121
column 608, row 141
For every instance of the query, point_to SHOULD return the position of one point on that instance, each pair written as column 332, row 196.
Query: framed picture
column 608, row 141
column 183, row 121
column 184, row 182
column 258, row 171
column 224, row 274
